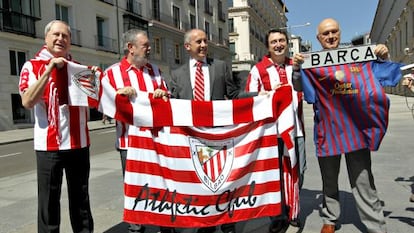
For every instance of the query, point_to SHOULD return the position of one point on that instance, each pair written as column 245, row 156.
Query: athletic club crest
column 213, row 161
column 88, row 82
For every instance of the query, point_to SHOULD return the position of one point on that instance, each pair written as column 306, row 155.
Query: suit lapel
column 187, row 82
column 211, row 72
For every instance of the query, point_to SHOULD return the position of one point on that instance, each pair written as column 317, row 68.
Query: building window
column 177, row 53
column 62, row 13
column 134, row 6
column 157, row 47
column 103, row 41
column 176, row 17
column 220, row 12
column 192, row 21
column 19, row 16
column 220, row 31
column 231, row 25
column 207, row 30
column 131, row 22
column 17, row 59
column 156, row 10
column 100, row 22
column 207, row 8
column 24, row 7
column 412, row 30
column 406, row 33
column 20, row 114
column 232, row 48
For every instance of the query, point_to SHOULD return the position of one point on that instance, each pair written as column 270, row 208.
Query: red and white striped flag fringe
column 146, row 111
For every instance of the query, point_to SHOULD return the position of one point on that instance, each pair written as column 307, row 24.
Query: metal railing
column 17, row 23
column 106, row 43
column 134, row 6
column 75, row 36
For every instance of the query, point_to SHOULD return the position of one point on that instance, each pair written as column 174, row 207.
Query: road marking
column 9, row 155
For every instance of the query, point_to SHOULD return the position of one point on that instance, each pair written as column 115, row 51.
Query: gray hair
column 50, row 24
column 130, row 36
column 187, row 36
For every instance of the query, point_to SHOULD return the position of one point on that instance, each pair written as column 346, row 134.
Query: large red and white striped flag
column 203, row 163
column 206, row 176
column 197, row 177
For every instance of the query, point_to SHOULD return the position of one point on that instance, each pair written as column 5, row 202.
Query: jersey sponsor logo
column 212, row 161
column 341, row 88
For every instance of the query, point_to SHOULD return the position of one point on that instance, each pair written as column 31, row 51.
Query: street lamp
column 296, row 26
column 196, row 12
column 298, row 46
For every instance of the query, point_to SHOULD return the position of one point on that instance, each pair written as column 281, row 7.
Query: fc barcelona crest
column 88, row 82
column 213, row 161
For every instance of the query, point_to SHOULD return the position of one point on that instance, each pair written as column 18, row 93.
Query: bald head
column 329, row 33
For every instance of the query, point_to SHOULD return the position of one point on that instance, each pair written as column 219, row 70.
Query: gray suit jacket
column 222, row 85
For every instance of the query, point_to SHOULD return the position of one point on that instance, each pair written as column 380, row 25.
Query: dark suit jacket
column 222, row 85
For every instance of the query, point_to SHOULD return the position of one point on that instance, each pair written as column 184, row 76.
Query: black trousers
column 50, row 167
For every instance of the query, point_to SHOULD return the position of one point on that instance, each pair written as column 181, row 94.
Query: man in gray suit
column 218, row 79
column 218, row 84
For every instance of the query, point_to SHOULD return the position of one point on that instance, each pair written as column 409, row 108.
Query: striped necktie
column 199, row 82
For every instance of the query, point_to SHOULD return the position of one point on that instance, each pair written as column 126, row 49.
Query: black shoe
column 206, row 230
column 135, row 228
column 295, row 223
column 278, row 226
column 167, row 230
column 228, row 228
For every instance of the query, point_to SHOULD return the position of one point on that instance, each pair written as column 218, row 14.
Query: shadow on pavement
column 406, row 220
column 118, row 228
column 123, row 228
column 312, row 199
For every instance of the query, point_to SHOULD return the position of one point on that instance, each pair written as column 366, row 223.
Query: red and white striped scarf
column 56, row 92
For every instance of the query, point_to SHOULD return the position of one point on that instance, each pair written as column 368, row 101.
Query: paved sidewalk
column 392, row 166
column 19, row 135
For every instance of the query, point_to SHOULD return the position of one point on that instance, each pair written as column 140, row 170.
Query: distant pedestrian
column 105, row 119
column 408, row 81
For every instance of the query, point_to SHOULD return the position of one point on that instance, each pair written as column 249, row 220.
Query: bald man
column 334, row 136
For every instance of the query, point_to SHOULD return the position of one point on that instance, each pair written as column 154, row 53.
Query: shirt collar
column 125, row 65
column 193, row 62
column 267, row 61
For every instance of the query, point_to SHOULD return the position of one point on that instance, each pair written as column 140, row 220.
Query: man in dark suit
column 218, row 79
column 218, row 84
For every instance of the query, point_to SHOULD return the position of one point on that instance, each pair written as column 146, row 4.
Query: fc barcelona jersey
column 350, row 105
